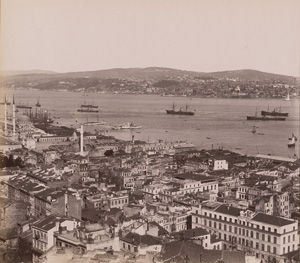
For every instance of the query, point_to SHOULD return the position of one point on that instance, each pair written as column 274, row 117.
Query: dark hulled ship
column 180, row 111
column 275, row 112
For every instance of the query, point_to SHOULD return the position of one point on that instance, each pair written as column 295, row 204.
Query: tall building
column 268, row 237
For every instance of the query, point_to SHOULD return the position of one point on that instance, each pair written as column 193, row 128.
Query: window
column 283, row 240
column 289, row 239
column 274, row 250
column 257, row 245
column 263, row 237
column 263, row 247
column 275, row 240
column 269, row 238
column 251, row 234
column 293, row 237
column 257, row 235
column 269, row 249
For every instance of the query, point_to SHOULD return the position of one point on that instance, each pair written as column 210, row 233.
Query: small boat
column 129, row 126
column 260, row 133
column 254, row 129
column 208, row 138
column 238, row 148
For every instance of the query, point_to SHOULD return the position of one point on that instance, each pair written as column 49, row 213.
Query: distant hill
column 24, row 72
column 157, row 73
column 247, row 74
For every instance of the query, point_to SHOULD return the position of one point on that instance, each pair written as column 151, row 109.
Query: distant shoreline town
column 161, row 81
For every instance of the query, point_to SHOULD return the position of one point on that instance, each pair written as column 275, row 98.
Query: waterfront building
column 266, row 236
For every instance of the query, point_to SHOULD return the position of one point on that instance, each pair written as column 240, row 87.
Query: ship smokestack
column 132, row 139
column 81, row 140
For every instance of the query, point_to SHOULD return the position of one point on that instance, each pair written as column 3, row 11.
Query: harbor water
column 216, row 123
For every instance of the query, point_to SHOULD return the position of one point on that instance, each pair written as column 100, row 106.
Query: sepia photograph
column 149, row 131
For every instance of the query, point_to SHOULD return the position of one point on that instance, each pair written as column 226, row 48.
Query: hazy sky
column 199, row 35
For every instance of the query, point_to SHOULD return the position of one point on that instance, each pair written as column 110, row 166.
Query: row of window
column 246, row 232
column 119, row 201
column 236, row 221
column 39, row 234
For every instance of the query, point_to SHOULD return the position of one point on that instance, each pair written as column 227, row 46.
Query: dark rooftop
column 272, row 220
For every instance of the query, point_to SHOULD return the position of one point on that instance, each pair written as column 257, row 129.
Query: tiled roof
column 182, row 250
column 272, row 220
column 137, row 239
column 190, row 233
column 161, row 230
column 229, row 210
column 47, row 223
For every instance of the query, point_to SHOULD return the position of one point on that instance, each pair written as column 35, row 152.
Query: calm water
column 222, row 120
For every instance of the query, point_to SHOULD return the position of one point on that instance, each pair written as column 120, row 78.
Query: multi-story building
column 59, row 202
column 269, row 237
column 117, row 200
column 43, row 231
column 220, row 165
column 274, row 204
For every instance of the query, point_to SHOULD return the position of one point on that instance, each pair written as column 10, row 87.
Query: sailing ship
column 88, row 106
column 90, row 123
column 87, row 110
column 38, row 103
column 180, row 111
column 293, row 136
column 292, row 143
column 275, row 112
column 287, row 97
column 22, row 106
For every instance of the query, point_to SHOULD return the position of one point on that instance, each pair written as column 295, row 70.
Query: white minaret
column 14, row 117
column 5, row 115
column 81, row 140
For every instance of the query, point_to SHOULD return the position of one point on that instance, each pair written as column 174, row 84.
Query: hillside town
column 68, row 195
column 165, row 82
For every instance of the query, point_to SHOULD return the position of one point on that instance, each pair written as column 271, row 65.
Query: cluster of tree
column 10, row 161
